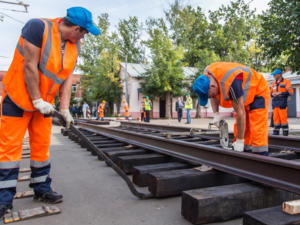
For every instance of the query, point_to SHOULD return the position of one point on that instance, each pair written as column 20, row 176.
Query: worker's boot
column 275, row 132
column 4, row 209
column 48, row 197
column 285, row 132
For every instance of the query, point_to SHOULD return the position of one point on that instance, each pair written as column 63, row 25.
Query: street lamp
column 126, row 75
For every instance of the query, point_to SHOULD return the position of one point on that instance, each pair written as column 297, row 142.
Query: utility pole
column 126, row 76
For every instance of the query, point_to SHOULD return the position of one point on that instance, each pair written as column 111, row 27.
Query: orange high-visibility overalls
column 126, row 110
column 101, row 110
column 256, row 100
column 18, row 113
column 279, row 105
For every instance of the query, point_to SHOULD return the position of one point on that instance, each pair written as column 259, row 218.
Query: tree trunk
column 198, row 112
column 168, row 105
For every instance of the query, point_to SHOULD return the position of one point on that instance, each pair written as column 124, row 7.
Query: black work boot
column 285, row 132
column 4, row 209
column 275, row 132
column 48, row 197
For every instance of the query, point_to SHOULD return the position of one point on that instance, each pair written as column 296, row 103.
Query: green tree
column 189, row 28
column 232, row 27
column 280, row 34
column 130, row 40
column 100, row 66
column 164, row 78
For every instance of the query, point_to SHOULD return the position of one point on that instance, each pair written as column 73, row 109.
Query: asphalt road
column 95, row 194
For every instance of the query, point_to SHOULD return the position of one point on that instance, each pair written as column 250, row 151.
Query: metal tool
column 223, row 131
column 60, row 118
column 224, row 135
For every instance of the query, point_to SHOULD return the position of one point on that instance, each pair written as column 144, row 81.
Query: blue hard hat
column 82, row 17
column 201, row 87
column 276, row 71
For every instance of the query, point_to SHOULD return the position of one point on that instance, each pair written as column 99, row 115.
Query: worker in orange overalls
column 247, row 91
column 101, row 110
column 126, row 109
column 280, row 90
column 143, row 111
column 45, row 56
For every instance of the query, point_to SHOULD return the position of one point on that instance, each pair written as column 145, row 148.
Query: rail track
column 164, row 158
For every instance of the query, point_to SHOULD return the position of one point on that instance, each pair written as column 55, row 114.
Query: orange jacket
column 126, row 109
column 101, row 109
column 53, row 70
column 284, row 87
column 254, row 84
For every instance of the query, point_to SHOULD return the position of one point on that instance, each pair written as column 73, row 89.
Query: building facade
column 158, row 110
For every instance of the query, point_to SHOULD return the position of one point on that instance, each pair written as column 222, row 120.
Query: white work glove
column 0, row 99
column 67, row 116
column 216, row 120
column 238, row 145
column 43, row 106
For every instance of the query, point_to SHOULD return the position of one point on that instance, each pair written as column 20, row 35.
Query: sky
column 116, row 9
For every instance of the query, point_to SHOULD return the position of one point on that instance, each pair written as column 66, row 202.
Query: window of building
column 74, row 88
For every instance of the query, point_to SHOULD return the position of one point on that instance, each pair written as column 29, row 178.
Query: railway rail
column 204, row 149
column 169, row 161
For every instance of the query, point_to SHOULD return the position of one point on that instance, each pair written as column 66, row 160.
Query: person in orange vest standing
column 143, row 111
column 126, row 109
column 45, row 56
column 101, row 110
column 247, row 91
column 280, row 91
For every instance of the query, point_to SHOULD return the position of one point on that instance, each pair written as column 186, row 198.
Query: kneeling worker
column 247, row 91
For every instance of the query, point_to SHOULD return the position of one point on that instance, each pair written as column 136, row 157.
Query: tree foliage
column 130, row 40
column 164, row 78
column 100, row 66
column 280, row 34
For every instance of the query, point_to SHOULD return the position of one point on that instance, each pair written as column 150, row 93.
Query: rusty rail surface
column 280, row 173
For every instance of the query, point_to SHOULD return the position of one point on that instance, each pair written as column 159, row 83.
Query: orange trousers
column 12, row 132
column 280, row 118
column 14, row 124
column 256, row 131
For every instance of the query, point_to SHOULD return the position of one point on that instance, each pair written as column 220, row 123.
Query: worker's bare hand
column 43, row 106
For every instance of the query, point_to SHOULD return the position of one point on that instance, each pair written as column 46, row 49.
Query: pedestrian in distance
column 45, row 56
column 179, row 108
column 78, row 110
column 280, row 91
column 233, row 85
column 85, row 107
column 126, row 109
column 148, row 107
column 143, row 111
column 94, row 110
column 74, row 110
column 101, row 110
column 188, row 106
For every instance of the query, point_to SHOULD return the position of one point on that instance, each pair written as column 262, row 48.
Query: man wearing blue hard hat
column 45, row 57
column 247, row 92
column 280, row 90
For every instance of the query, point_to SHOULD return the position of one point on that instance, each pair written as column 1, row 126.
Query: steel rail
column 275, row 140
column 161, row 127
column 274, row 172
